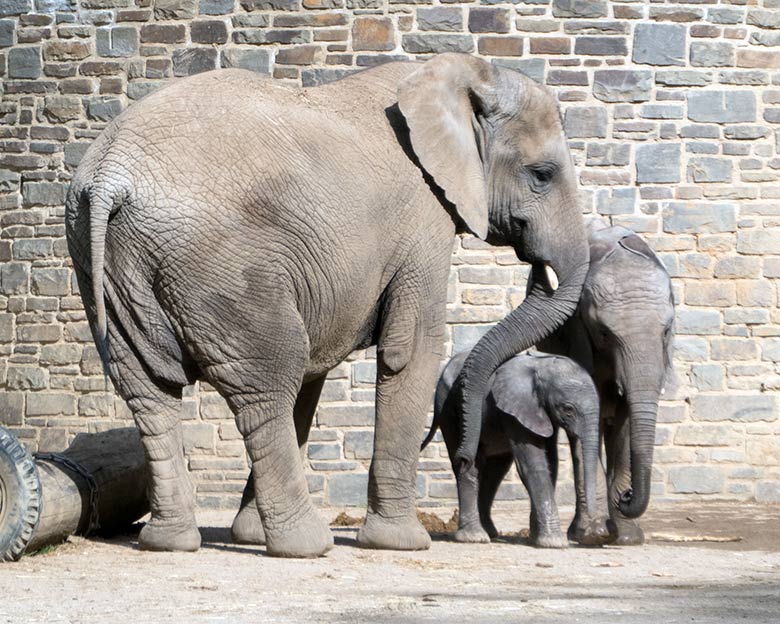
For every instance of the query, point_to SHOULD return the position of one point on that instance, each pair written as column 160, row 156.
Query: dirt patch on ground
column 99, row 580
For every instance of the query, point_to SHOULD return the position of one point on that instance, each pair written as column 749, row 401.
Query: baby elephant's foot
column 549, row 540
column 393, row 533
column 169, row 536
column 247, row 527
column 592, row 533
column 472, row 534
column 629, row 533
column 306, row 538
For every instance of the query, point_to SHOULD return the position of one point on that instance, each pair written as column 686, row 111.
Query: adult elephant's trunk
column 643, row 409
column 541, row 313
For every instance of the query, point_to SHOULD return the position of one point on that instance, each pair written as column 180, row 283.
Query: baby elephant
column 530, row 397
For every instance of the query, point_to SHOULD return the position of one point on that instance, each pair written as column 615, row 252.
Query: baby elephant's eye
column 567, row 409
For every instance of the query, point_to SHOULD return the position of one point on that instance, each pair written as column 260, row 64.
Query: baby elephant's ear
column 514, row 394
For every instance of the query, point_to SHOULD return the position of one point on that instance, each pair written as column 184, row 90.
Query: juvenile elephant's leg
column 491, row 475
column 247, row 526
column 617, row 442
column 402, row 400
column 157, row 412
column 469, row 523
column 531, row 459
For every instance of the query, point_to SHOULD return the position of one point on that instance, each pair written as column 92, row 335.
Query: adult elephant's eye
column 541, row 175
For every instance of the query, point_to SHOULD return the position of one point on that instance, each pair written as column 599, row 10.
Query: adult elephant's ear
column 514, row 393
column 442, row 103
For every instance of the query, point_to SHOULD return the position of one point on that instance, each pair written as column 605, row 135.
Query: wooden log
column 98, row 483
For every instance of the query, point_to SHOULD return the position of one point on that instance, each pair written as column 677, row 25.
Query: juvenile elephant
column 250, row 233
column 531, row 396
column 622, row 333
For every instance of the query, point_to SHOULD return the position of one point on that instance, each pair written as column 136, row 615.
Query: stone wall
column 673, row 111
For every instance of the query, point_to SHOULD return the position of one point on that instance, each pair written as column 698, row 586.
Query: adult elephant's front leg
column 402, row 401
column 617, row 442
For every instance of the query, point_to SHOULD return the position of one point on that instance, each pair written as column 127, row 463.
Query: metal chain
column 93, row 520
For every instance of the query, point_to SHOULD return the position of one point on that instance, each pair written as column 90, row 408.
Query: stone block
column 699, row 218
column 323, row 75
column 322, row 451
column 709, row 170
column 600, row 46
column 216, row 7
column 347, row 490
column 253, row 60
column 163, row 33
column 659, row 44
column 50, row 282
column 616, row 201
column 300, row 55
column 768, row 492
column 213, row 407
column 500, row 46
column 358, row 444
column 208, row 31
column 270, row 5
column 759, row 242
column 697, row 480
column 198, row 436
column 6, row 330
column 26, row 378
column 11, row 408
column 464, row 337
column 585, row 122
column 716, row 293
column 661, row 111
column 15, row 7
column 658, row 163
column 736, row 407
column 6, row 33
column 43, row 193
column 104, row 109
column 32, row 248
column 53, row 440
column 335, row 415
column 722, row 106
column 579, row 8
column 417, row 43
column 61, row 354
column 707, row 377
column 175, row 9
column 119, row 41
column 764, row 18
column 607, row 154
column 189, row 61
column 61, row 108
column 14, row 278
column 373, row 33
column 489, row 20
column 763, row 451
column 704, row 435
column 24, row 62
column 698, row 322
column 770, row 349
column 440, row 18
column 712, row 54
column 50, row 404
column 364, row 373
column 620, row 85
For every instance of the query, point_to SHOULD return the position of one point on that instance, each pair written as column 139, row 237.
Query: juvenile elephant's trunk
column 541, row 313
column 590, row 460
column 643, row 408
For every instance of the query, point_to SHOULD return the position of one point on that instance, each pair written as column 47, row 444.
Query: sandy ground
column 507, row 581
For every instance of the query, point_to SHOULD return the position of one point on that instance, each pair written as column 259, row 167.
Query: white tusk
column 552, row 278
column 663, row 391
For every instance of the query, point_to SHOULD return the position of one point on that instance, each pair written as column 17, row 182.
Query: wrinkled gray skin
column 253, row 234
column 622, row 333
column 531, row 396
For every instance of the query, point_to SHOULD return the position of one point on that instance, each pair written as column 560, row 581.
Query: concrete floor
column 664, row 581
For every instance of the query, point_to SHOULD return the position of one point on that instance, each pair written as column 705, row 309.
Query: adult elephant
column 253, row 234
column 622, row 333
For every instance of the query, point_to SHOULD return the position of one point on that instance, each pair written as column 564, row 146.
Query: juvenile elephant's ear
column 514, row 393
column 441, row 102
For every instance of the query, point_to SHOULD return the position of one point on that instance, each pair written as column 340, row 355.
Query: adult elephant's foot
column 308, row 537
column 549, row 540
column 247, row 527
column 165, row 535
column 472, row 534
column 595, row 532
column 393, row 533
column 629, row 533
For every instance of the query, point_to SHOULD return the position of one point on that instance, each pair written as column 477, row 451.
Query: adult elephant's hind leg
column 402, row 400
column 156, row 409
column 247, row 526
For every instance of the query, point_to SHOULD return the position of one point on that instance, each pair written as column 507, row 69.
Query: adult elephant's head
column 627, row 309
column 492, row 140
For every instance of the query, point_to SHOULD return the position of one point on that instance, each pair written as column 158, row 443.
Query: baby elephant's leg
column 532, row 463
column 490, row 477
column 469, row 525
